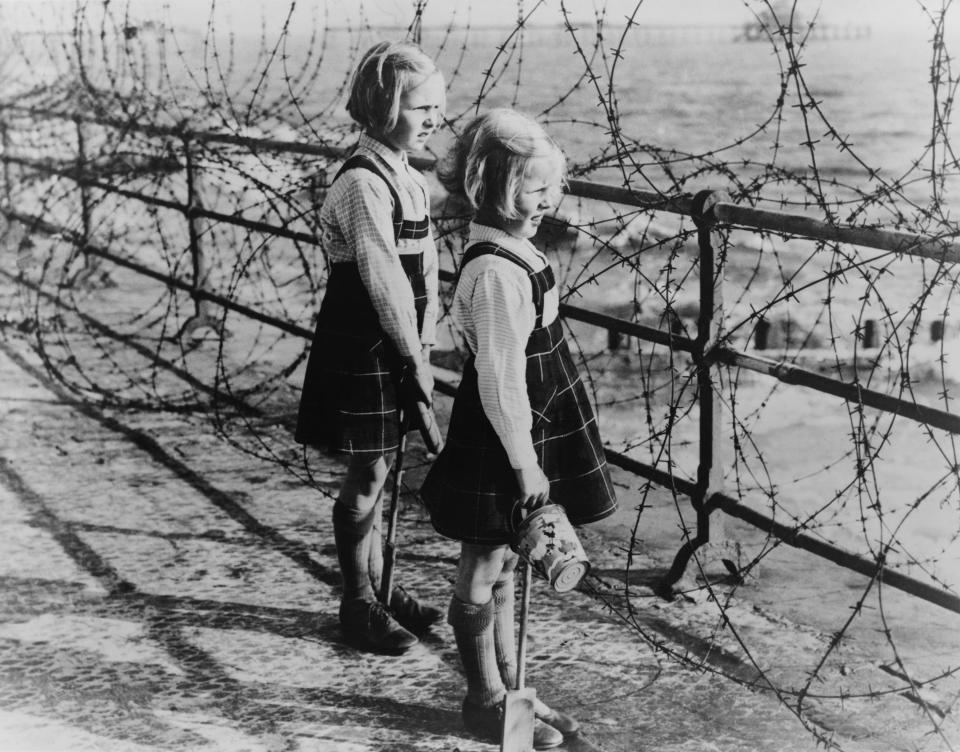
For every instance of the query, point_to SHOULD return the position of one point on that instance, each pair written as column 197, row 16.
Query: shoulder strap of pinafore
column 363, row 162
column 485, row 248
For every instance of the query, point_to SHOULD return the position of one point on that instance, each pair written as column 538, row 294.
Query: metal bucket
column 548, row 543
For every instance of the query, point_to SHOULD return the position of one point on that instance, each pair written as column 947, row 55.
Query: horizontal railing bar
column 36, row 223
column 797, row 225
column 660, row 477
column 790, row 374
column 181, row 132
column 612, row 323
column 231, row 219
column 937, row 249
column 630, row 197
column 648, row 333
column 837, row 555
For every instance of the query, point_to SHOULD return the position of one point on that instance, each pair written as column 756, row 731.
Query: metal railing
column 708, row 349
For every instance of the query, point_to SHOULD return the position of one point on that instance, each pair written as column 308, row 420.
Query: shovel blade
column 518, row 719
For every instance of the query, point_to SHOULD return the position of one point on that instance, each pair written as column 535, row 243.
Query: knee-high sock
column 351, row 529
column 504, row 632
column 504, row 637
column 473, row 630
column 374, row 546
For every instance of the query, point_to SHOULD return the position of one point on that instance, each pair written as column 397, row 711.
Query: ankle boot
column 416, row 616
column 486, row 723
column 367, row 625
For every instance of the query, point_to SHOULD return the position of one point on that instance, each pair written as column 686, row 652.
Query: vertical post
column 201, row 316
column 762, row 334
column 5, row 140
column 936, row 330
column 709, row 329
column 89, row 265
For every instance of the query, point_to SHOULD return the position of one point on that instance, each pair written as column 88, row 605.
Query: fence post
column 201, row 308
column 5, row 140
column 89, row 263
column 709, row 484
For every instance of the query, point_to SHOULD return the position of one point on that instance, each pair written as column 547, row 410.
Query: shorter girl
column 522, row 430
column 370, row 353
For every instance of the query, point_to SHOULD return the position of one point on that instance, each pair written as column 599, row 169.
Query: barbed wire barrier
column 161, row 187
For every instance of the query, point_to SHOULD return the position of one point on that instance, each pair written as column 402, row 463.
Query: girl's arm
column 503, row 317
column 431, row 265
column 365, row 217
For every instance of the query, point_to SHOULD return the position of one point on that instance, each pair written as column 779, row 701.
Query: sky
column 245, row 16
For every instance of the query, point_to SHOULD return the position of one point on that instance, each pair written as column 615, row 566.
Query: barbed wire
column 126, row 106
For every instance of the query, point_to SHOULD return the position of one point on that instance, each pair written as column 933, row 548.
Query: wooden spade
column 518, row 712
column 390, row 548
column 426, row 422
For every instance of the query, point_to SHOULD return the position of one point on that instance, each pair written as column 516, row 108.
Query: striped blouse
column 493, row 304
column 356, row 224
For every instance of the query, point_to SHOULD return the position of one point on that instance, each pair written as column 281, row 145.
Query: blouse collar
column 521, row 246
column 395, row 159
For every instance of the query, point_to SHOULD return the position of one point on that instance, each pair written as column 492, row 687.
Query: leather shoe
column 415, row 616
column 369, row 626
column 486, row 722
column 565, row 724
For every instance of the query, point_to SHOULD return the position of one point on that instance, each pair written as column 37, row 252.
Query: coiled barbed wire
column 140, row 138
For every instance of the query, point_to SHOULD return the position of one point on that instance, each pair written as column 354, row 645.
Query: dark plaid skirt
column 352, row 386
column 471, row 488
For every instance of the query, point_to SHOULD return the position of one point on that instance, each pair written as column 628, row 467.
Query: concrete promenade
column 163, row 589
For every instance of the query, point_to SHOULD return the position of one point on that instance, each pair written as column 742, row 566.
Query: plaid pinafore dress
column 471, row 487
column 350, row 396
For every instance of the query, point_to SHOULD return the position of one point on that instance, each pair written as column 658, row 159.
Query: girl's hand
column 534, row 486
column 417, row 383
column 427, row 374
column 423, row 382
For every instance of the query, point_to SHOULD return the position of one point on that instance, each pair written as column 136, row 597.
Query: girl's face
column 537, row 194
column 421, row 108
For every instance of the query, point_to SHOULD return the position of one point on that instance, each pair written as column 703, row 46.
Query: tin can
column 548, row 543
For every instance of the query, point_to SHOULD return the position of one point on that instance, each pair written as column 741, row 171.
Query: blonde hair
column 384, row 73
column 488, row 162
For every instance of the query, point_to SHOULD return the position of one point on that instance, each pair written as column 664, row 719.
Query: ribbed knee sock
column 351, row 528
column 504, row 637
column 473, row 630
column 374, row 547
column 503, row 631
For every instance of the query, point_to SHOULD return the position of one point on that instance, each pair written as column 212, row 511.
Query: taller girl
column 377, row 322
column 522, row 430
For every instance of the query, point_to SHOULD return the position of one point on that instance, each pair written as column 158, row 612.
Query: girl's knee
column 509, row 567
column 480, row 568
column 365, row 478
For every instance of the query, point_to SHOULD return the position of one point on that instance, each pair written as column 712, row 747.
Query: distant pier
column 654, row 34
column 758, row 32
